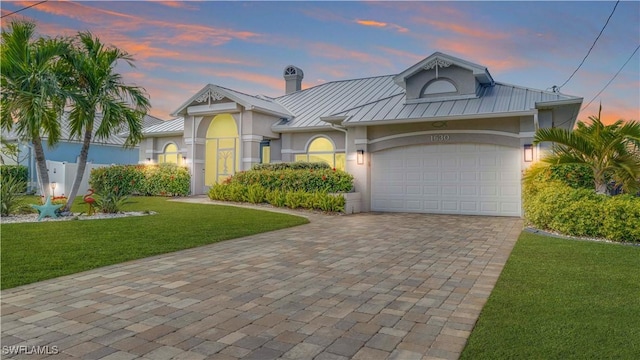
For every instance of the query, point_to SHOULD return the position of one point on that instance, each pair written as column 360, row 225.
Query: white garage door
column 472, row 179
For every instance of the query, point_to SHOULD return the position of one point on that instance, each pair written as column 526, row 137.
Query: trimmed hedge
column 280, row 198
column 310, row 180
column 556, row 206
column 149, row 180
column 18, row 172
column 298, row 165
column 310, row 187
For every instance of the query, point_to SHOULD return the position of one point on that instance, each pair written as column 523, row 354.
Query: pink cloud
column 380, row 24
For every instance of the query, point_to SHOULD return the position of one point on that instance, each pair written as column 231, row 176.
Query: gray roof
column 114, row 139
column 500, row 99
column 309, row 105
column 171, row 127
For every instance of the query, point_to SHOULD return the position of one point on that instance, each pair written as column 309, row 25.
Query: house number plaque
column 439, row 138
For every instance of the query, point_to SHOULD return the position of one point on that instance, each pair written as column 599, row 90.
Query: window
column 440, row 86
column 265, row 152
column 322, row 150
column 170, row 155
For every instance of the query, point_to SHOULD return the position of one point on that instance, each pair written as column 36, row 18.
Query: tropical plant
column 611, row 151
column 111, row 202
column 99, row 89
column 32, row 97
column 10, row 189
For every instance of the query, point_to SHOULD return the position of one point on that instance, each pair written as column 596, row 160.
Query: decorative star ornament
column 48, row 209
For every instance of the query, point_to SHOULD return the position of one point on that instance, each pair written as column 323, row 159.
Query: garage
column 469, row 179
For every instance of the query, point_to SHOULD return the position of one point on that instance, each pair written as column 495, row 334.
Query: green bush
column 10, row 189
column 298, row 165
column 151, row 180
column 556, row 206
column 111, row 202
column 309, row 180
column 276, row 198
column 256, row 194
column 18, row 172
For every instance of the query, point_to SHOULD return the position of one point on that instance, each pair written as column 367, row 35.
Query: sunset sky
column 180, row 47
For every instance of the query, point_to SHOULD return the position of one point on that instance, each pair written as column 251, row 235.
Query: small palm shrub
column 10, row 189
column 19, row 172
column 111, row 202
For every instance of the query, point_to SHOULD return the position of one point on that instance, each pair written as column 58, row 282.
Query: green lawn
column 32, row 252
column 562, row 299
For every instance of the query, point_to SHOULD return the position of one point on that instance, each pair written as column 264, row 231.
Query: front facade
column 440, row 137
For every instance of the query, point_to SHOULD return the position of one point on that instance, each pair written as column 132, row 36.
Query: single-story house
column 440, row 137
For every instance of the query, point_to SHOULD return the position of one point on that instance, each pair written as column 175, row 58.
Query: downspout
column 536, row 126
column 193, row 156
column 241, row 143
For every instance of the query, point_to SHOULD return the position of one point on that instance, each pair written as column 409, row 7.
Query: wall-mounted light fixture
column 148, row 160
column 360, row 157
column 528, row 153
column 184, row 159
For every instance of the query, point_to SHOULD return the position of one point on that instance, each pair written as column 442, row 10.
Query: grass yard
column 37, row 251
column 562, row 299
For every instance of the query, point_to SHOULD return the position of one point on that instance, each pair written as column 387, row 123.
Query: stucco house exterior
column 440, row 137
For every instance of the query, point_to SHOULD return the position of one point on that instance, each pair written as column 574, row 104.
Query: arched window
column 440, row 86
column 321, row 149
column 171, row 155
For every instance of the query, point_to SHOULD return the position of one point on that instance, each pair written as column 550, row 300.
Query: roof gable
column 211, row 95
column 439, row 59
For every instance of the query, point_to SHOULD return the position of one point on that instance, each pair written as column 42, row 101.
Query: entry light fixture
column 360, row 157
column 528, row 153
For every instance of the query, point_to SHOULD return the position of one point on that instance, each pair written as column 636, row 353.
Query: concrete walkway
column 368, row 286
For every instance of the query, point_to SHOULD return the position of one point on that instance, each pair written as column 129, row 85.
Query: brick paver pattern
column 367, row 286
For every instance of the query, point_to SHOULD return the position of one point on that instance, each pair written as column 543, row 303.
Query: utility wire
column 613, row 78
column 591, row 48
column 24, row 8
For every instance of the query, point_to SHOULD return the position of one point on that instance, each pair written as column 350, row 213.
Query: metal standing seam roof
column 175, row 126
column 307, row 106
column 498, row 99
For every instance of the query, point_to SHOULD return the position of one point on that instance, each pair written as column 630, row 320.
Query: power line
column 591, row 48
column 613, row 78
column 24, row 8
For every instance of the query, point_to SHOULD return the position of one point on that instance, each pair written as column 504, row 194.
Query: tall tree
column 611, row 151
column 99, row 89
column 32, row 99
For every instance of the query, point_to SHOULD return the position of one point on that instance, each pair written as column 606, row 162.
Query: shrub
column 18, row 172
column 556, row 206
column 296, row 199
column 276, row 198
column 153, row 180
column 310, row 180
column 10, row 188
column 256, row 194
column 111, row 202
column 298, row 165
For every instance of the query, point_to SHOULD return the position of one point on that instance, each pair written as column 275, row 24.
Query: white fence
column 63, row 174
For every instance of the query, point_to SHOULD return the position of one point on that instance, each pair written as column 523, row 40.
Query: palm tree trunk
column 41, row 166
column 82, row 165
column 601, row 187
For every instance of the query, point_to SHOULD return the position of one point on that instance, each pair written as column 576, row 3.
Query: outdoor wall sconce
column 528, row 153
column 360, row 157
column 184, row 159
column 148, row 160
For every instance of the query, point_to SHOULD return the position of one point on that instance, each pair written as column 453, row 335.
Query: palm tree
column 99, row 89
column 32, row 99
column 611, row 151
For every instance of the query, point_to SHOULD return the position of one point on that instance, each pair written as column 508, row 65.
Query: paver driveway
column 369, row 286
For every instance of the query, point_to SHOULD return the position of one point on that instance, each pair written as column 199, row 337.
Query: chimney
column 292, row 79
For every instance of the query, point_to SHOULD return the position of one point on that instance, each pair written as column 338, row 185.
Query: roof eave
column 441, row 118
column 554, row 103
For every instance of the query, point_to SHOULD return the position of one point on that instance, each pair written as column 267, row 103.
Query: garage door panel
column 478, row 179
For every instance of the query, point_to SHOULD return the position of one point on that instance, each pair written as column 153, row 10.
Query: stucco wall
column 463, row 79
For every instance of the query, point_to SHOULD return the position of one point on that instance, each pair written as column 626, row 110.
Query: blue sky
column 180, row 47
